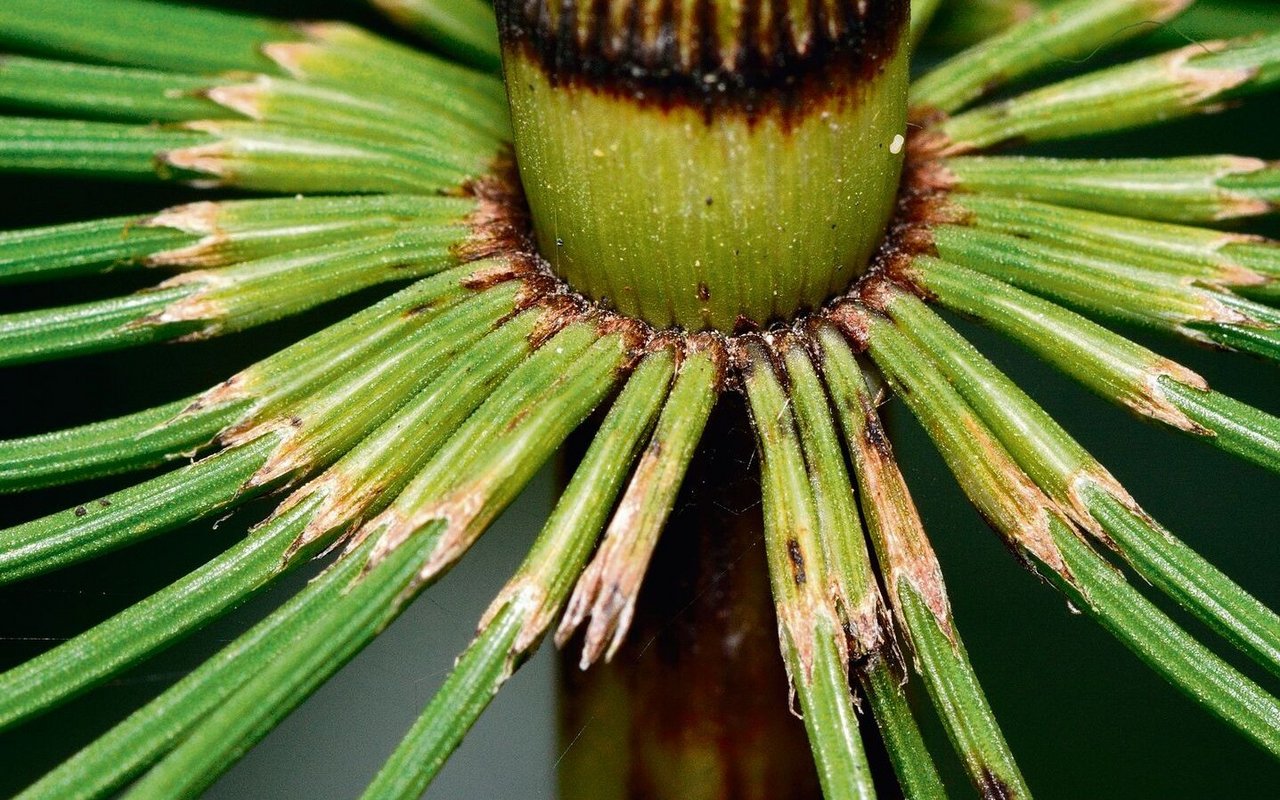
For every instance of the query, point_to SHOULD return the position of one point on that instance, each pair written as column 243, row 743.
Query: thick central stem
column 708, row 164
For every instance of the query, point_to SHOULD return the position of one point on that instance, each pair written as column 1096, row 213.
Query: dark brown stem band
column 705, row 53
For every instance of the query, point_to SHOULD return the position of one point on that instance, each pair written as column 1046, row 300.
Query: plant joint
column 708, row 165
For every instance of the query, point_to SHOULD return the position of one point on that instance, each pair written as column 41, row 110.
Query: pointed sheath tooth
column 243, row 98
column 1199, row 84
column 291, row 57
column 200, row 306
column 205, row 159
column 906, row 548
column 198, row 219
column 336, row 506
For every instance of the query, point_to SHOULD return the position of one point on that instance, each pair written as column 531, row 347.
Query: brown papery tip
column 707, row 53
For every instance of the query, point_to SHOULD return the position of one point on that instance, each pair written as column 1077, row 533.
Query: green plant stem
column 1035, row 529
column 1194, row 189
column 1083, row 488
column 464, row 29
column 812, row 641
column 916, row 591
column 910, row 756
column 1068, row 33
column 1108, row 364
column 137, row 441
column 1103, row 593
column 1195, row 79
column 608, row 589
column 110, row 93
column 272, row 388
column 491, row 476
column 170, row 501
column 142, row 33
column 366, row 479
column 1243, row 263
column 843, row 542
column 366, row 606
column 520, row 615
column 1237, row 428
column 149, row 733
column 1116, row 288
column 207, row 303
column 59, row 674
column 80, row 247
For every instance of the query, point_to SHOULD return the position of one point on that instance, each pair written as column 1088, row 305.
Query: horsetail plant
column 634, row 232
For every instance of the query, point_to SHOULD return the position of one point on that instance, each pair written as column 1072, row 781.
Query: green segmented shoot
column 1194, row 189
column 609, row 586
column 813, row 642
column 522, row 612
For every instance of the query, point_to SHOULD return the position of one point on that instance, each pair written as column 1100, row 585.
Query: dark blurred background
column 1083, row 716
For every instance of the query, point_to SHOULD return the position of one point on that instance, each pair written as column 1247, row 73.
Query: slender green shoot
column 813, row 644
column 1087, row 492
column 1067, row 33
column 610, row 585
column 1108, row 364
column 464, row 29
column 1196, row 79
column 1038, row 531
column 1194, row 189
column 917, row 593
column 521, row 614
